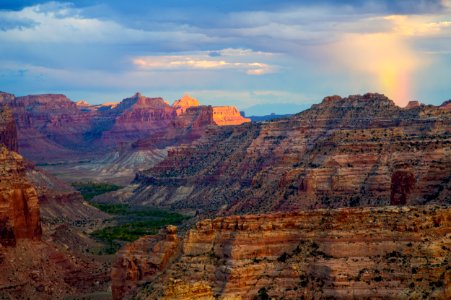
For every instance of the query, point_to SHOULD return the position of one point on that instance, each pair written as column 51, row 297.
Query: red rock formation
column 388, row 253
column 136, row 117
column 228, row 115
column 53, row 129
column 19, row 207
column 8, row 136
column 50, row 127
column 355, row 151
column 134, row 263
column 183, row 103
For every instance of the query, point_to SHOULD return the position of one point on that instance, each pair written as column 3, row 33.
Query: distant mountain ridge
column 269, row 117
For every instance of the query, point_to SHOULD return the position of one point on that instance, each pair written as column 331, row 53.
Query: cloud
column 235, row 59
column 55, row 22
column 310, row 47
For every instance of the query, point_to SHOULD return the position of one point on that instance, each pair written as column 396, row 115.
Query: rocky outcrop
column 183, row 103
column 8, row 132
column 19, row 206
column 228, row 115
column 143, row 259
column 134, row 118
column 413, row 104
column 361, row 150
column 446, row 105
column 390, row 253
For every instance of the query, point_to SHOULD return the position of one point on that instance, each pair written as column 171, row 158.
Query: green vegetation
column 134, row 222
column 91, row 189
column 130, row 222
column 130, row 231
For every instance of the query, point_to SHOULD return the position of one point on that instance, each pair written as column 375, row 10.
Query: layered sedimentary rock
column 134, row 118
column 59, row 201
column 19, row 207
column 228, row 115
column 361, row 150
column 8, row 136
column 143, row 259
column 390, row 253
column 50, row 126
column 183, row 103
column 34, row 265
column 54, row 130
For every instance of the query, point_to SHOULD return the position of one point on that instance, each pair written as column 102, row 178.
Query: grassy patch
column 134, row 222
column 91, row 189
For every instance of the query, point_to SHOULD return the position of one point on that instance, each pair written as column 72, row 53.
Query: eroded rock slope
column 362, row 150
column 363, row 253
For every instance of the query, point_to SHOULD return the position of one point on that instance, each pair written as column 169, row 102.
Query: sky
column 261, row 56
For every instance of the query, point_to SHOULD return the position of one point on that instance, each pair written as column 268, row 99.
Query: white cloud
column 62, row 23
column 239, row 59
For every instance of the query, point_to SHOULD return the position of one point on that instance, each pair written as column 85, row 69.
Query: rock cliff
column 50, row 126
column 8, row 132
column 183, row 103
column 228, row 115
column 57, row 133
column 143, row 260
column 390, row 253
column 19, row 207
column 362, row 150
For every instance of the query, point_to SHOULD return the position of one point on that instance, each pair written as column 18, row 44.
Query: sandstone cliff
column 50, row 126
column 143, row 259
column 61, row 135
column 36, row 262
column 361, row 150
column 389, row 253
column 183, row 103
column 19, row 207
column 228, row 115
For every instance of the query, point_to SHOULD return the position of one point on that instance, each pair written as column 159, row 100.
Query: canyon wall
column 53, row 129
column 389, row 252
column 19, row 207
column 362, row 150
column 8, row 136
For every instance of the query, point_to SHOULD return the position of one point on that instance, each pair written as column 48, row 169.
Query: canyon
column 69, row 138
column 360, row 253
column 362, row 150
column 37, row 213
column 349, row 199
